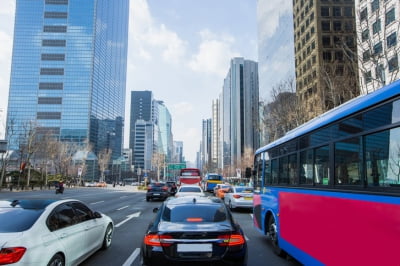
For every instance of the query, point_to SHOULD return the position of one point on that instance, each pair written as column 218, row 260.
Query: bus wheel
column 273, row 237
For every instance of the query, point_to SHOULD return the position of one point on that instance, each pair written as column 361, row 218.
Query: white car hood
column 9, row 237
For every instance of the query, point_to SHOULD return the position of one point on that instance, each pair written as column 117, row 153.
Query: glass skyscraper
column 68, row 71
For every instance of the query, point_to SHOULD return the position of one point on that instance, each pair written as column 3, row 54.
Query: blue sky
column 179, row 49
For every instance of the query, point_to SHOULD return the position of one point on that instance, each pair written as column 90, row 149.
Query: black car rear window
column 17, row 219
column 194, row 213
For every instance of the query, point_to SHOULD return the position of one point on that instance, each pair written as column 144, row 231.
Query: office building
column 325, row 54
column 68, row 71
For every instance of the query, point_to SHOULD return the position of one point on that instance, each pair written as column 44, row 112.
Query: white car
column 51, row 232
column 239, row 197
column 189, row 190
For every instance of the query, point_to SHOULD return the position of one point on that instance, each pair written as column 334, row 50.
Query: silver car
column 239, row 197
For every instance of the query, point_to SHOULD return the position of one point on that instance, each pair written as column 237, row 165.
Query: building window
column 393, row 64
column 48, row 115
column 378, row 48
column 339, row 56
column 348, row 11
column 366, row 55
column 337, row 25
column 374, row 5
column 367, row 77
column 52, row 71
column 337, row 11
column 350, row 41
column 53, row 57
column 327, row 56
column 376, row 27
column 55, row 14
column 58, row 43
column 51, row 28
column 391, row 40
column 326, row 41
column 339, row 70
column 348, row 26
column 326, row 25
column 363, row 14
column 49, row 100
column 57, row 2
column 365, row 35
column 324, row 11
column 390, row 16
column 51, row 86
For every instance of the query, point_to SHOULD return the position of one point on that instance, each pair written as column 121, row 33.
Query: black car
column 194, row 230
column 173, row 186
column 158, row 190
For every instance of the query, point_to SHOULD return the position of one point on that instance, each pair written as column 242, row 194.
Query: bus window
column 283, row 170
column 306, row 167
column 258, row 174
column 347, row 162
column 267, row 172
column 274, row 171
column 383, row 157
column 322, row 165
column 292, row 169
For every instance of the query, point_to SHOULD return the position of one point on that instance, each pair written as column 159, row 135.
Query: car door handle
column 63, row 235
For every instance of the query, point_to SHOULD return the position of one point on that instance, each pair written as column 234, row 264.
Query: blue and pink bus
column 328, row 192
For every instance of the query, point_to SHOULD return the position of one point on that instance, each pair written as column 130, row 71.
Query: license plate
column 156, row 194
column 248, row 198
column 194, row 248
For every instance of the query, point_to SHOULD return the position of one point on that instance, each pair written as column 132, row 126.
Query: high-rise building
column 68, row 71
column 215, row 136
column 325, row 54
column 205, row 149
column 178, row 152
column 378, row 46
column 240, row 112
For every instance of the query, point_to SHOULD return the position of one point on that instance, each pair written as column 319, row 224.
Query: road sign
column 176, row 166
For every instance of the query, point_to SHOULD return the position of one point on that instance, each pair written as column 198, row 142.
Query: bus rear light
column 11, row 255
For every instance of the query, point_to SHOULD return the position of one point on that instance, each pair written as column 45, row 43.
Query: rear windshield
column 244, row 189
column 194, row 213
column 17, row 220
column 190, row 189
column 214, row 177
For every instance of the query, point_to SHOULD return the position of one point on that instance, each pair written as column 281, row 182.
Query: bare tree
column 158, row 161
column 103, row 160
column 5, row 157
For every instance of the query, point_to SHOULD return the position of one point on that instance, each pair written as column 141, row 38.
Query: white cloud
column 151, row 40
column 214, row 53
column 182, row 109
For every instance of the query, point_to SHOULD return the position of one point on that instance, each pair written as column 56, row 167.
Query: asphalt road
column 131, row 214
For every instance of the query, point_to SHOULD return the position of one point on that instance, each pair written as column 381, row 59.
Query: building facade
column 66, row 78
column 325, row 54
column 240, row 114
column 378, row 49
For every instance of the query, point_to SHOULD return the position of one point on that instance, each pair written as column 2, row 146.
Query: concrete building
column 378, row 46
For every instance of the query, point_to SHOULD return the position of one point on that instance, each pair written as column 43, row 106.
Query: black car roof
column 34, row 204
column 193, row 200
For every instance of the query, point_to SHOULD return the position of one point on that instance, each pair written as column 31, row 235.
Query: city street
column 131, row 214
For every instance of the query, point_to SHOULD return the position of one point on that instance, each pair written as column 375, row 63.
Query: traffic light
column 248, row 172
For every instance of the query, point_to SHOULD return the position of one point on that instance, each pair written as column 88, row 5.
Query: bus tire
column 273, row 237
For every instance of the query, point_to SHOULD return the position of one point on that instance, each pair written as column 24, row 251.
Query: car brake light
column 165, row 188
column 231, row 240
column 237, row 196
column 11, row 255
column 194, row 219
column 157, row 240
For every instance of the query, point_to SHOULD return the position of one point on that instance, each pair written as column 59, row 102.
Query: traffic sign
column 176, row 166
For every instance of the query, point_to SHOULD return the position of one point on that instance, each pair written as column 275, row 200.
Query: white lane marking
column 123, row 208
column 247, row 239
column 123, row 197
column 97, row 202
column 251, row 215
column 136, row 214
column 132, row 257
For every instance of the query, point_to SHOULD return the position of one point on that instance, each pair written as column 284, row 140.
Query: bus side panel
column 262, row 204
column 360, row 231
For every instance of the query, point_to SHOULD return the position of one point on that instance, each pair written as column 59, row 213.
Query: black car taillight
column 157, row 240
column 231, row 240
column 11, row 255
column 165, row 188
